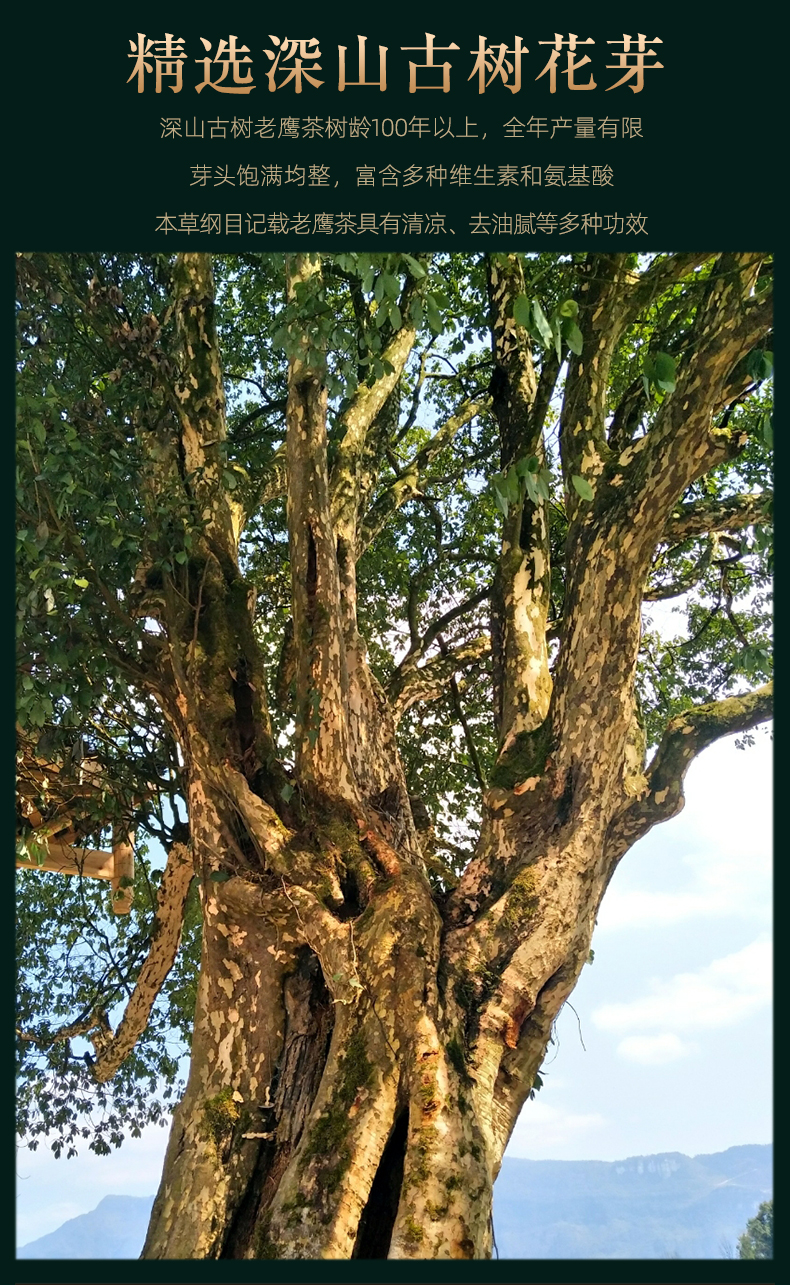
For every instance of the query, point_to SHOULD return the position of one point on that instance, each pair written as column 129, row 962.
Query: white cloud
column 720, row 889
column 543, row 1130
column 723, row 840
column 721, row 994
column 654, row 1050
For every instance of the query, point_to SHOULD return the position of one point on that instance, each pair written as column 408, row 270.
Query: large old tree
column 335, row 581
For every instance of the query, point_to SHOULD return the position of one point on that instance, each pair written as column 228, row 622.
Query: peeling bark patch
column 516, row 1021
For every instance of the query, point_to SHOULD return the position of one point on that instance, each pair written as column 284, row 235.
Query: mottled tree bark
column 361, row 1049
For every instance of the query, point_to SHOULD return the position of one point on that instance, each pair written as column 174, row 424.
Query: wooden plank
column 65, row 860
column 123, row 868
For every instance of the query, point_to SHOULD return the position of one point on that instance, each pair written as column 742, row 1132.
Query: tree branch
column 200, row 399
column 659, row 592
column 279, row 404
column 709, row 515
column 407, row 483
column 626, row 418
column 165, row 939
column 685, row 737
column 358, row 420
column 455, row 696
column 664, row 271
column 429, row 681
column 273, row 481
column 522, row 591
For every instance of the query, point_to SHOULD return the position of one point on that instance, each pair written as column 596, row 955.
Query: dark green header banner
column 422, row 127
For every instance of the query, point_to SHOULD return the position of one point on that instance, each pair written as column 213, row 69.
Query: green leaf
column 415, row 268
column 433, row 315
column 287, row 792
column 557, row 331
column 501, row 502
column 396, row 321
column 81, row 583
column 665, row 372
column 544, row 483
column 541, row 324
column 507, row 484
column 180, row 557
column 391, row 285
column 219, row 876
column 521, row 311
column 532, row 488
column 568, row 308
column 511, row 483
column 767, row 429
column 582, row 487
column 760, row 364
column 527, row 464
column 573, row 337
column 37, row 713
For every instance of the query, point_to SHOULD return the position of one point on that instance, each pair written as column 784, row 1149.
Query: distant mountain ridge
column 661, row 1206
column 114, row 1229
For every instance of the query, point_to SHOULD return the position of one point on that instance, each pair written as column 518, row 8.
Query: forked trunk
column 363, row 1045
column 359, row 1060
column 328, row 1111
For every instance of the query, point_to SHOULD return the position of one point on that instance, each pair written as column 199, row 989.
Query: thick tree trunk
column 364, row 1041
column 362, row 1047
column 357, row 1070
column 328, row 1111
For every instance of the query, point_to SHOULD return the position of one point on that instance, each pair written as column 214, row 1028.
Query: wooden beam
column 116, row 866
column 123, row 869
column 64, row 860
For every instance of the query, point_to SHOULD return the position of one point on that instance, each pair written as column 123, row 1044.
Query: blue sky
column 674, row 1012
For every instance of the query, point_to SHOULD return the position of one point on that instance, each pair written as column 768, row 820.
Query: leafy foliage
column 758, row 1239
column 96, row 380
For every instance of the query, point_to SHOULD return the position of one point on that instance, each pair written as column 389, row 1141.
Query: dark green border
column 81, row 172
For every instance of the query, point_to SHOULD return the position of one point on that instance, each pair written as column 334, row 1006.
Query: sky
column 667, row 1045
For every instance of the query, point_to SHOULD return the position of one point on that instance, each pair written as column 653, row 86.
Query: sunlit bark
column 363, row 1046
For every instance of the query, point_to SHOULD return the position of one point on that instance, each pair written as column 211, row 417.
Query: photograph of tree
column 337, row 707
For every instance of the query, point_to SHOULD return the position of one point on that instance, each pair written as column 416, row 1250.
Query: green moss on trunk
column 328, row 1138
column 526, row 757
